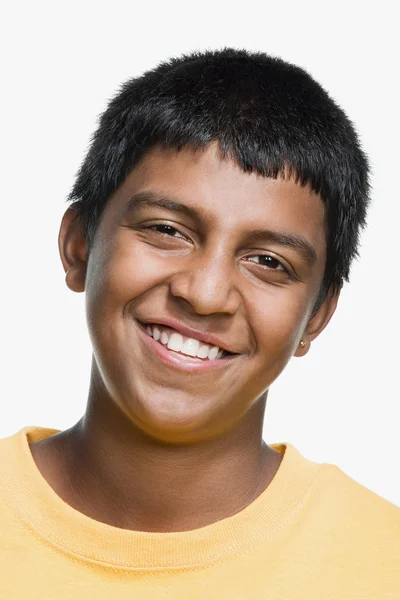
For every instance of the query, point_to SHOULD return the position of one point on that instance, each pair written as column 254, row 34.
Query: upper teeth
column 190, row 346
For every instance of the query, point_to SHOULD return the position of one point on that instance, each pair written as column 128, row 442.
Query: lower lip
column 179, row 361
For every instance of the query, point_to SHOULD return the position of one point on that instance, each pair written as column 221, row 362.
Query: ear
column 318, row 322
column 73, row 250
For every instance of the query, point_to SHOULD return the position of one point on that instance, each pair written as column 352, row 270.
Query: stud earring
column 302, row 343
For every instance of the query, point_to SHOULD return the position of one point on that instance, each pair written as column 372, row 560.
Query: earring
column 302, row 343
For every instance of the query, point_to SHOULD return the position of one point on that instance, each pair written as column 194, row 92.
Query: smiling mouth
column 189, row 348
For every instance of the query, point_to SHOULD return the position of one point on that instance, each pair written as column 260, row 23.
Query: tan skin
column 158, row 450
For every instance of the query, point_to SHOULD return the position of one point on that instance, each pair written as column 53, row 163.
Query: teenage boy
column 212, row 225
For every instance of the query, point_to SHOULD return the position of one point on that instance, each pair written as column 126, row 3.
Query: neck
column 114, row 473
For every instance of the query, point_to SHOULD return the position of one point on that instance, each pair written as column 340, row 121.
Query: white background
column 62, row 61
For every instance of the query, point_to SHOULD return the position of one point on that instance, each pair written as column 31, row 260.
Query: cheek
column 122, row 272
column 278, row 318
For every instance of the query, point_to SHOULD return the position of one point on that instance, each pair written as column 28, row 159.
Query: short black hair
column 268, row 115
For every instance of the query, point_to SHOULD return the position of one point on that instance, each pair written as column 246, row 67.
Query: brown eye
column 267, row 261
column 164, row 230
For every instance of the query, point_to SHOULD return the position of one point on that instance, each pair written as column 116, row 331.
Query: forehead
column 227, row 198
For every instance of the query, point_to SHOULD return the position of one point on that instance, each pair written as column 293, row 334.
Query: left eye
column 268, row 261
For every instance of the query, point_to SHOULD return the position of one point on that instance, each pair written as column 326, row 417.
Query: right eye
column 163, row 229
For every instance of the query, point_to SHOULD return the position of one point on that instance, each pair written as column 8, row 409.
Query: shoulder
column 356, row 515
column 354, row 495
column 17, row 467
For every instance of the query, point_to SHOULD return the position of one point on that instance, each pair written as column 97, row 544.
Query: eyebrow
column 152, row 199
column 145, row 199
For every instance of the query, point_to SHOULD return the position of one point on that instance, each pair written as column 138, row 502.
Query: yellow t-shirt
column 313, row 534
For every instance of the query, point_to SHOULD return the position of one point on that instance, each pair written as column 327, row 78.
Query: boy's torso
column 338, row 540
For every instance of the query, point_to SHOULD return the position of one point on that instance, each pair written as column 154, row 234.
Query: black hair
column 270, row 116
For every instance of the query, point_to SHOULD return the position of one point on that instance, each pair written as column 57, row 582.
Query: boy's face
column 208, row 271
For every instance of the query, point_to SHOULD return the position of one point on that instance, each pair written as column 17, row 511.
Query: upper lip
column 202, row 336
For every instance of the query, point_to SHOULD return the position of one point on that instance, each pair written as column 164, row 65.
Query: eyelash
column 171, row 228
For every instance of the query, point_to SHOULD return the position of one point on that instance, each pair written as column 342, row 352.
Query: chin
column 174, row 420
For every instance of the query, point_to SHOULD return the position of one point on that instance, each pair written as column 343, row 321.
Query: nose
column 206, row 284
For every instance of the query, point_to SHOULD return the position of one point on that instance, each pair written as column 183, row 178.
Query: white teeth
column 212, row 355
column 190, row 347
column 202, row 352
column 175, row 342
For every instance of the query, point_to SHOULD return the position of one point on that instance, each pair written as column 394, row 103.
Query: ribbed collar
column 35, row 503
